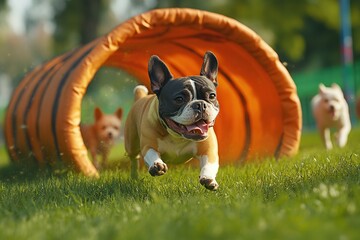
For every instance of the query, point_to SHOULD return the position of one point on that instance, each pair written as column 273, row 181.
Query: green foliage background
column 305, row 34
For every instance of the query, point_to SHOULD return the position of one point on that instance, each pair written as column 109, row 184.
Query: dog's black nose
column 199, row 106
column 110, row 135
column 332, row 108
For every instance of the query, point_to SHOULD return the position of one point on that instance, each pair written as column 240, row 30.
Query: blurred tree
column 355, row 19
column 304, row 34
column 278, row 26
column 14, row 49
column 296, row 30
column 77, row 22
column 21, row 51
column 300, row 32
column 331, row 19
column 3, row 24
column 181, row 3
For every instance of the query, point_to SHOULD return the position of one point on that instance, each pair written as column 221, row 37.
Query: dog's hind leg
column 134, row 161
column 132, row 144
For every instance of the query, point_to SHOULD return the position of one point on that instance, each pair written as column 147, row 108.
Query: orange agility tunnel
column 260, row 114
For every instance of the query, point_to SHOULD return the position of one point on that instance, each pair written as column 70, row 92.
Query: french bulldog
column 176, row 123
column 100, row 137
column 331, row 110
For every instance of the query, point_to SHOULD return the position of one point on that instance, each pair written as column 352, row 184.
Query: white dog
column 331, row 110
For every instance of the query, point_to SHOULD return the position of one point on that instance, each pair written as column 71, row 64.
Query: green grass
column 314, row 195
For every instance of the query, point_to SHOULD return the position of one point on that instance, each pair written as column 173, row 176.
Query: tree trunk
column 90, row 20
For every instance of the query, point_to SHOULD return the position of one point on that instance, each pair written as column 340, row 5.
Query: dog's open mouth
column 197, row 131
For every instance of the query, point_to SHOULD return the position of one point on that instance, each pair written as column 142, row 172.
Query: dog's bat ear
column 159, row 74
column 209, row 67
column 97, row 113
column 119, row 113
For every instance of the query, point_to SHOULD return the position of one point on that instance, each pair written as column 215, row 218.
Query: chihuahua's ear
column 159, row 74
column 119, row 113
column 97, row 113
column 209, row 67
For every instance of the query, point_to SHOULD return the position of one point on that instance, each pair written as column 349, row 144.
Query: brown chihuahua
column 99, row 137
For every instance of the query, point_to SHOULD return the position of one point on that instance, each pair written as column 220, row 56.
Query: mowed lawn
column 314, row 195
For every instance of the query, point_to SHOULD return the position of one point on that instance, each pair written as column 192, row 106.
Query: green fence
column 307, row 85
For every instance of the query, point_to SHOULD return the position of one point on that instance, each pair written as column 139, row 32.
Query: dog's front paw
column 158, row 169
column 209, row 183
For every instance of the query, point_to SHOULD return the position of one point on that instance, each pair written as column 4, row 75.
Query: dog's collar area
column 163, row 123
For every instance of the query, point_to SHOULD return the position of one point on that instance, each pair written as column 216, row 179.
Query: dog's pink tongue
column 200, row 126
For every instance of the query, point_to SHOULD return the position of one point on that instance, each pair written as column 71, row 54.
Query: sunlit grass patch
column 314, row 195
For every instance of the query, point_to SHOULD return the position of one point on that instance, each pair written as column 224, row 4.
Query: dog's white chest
column 176, row 150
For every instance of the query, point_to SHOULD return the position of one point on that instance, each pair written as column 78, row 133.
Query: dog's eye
column 116, row 127
column 103, row 127
column 326, row 100
column 179, row 100
column 212, row 96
